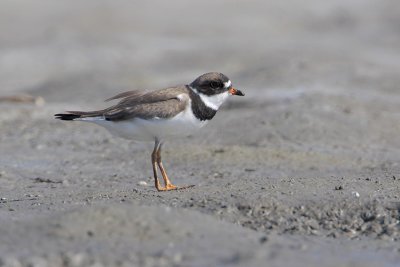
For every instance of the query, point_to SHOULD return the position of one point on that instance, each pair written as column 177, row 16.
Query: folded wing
column 163, row 103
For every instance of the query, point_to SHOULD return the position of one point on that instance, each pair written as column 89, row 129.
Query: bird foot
column 170, row 187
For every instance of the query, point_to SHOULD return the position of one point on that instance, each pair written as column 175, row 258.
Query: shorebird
column 172, row 112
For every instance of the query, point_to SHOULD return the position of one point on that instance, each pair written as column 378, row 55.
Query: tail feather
column 72, row 115
column 66, row 116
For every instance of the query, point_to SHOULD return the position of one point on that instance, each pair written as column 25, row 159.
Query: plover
column 162, row 114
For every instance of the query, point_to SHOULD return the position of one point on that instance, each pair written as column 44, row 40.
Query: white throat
column 213, row 101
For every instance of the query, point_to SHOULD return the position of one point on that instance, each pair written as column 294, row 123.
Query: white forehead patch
column 227, row 84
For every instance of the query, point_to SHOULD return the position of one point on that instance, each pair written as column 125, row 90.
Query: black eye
column 215, row 85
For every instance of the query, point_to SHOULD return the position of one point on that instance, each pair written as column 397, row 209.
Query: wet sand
column 302, row 171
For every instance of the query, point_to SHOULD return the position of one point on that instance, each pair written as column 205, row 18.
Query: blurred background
column 298, row 160
column 75, row 50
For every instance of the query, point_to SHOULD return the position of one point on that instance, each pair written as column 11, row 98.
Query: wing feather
column 160, row 109
column 163, row 103
column 130, row 94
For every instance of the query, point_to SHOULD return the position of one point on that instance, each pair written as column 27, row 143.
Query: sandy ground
column 303, row 171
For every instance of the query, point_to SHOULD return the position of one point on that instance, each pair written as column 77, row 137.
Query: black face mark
column 216, row 85
column 210, row 83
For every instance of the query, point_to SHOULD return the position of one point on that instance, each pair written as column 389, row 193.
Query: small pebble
column 218, row 175
column 143, row 183
column 355, row 194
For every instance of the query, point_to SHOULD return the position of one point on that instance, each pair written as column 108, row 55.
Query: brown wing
column 130, row 94
column 161, row 109
column 132, row 98
column 162, row 103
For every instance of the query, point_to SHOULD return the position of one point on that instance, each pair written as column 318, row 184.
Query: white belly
column 183, row 124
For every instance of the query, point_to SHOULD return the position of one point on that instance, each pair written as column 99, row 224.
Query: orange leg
column 154, row 164
column 156, row 161
column 167, row 182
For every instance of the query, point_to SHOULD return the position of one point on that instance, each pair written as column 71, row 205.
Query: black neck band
column 200, row 110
